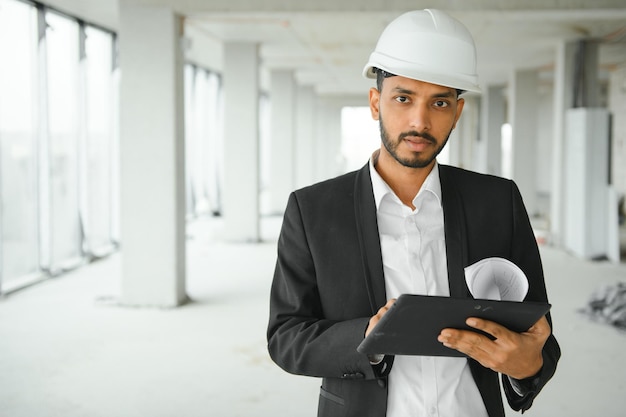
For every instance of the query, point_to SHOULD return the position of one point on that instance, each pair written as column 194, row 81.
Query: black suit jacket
column 329, row 281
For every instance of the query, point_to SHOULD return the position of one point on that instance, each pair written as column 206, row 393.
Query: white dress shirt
column 414, row 262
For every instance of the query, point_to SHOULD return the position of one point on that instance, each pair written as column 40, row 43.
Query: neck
column 404, row 181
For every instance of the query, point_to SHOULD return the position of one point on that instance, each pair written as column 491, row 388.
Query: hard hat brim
column 460, row 82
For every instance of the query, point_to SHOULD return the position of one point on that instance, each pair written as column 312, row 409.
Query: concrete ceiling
column 327, row 42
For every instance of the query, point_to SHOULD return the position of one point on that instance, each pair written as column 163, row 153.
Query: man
column 405, row 224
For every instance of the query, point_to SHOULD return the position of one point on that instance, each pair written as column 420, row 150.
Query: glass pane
column 202, row 141
column 115, row 151
column 360, row 136
column 62, row 55
column 18, row 106
column 216, row 139
column 189, row 138
column 97, row 161
column 203, row 165
column 201, row 162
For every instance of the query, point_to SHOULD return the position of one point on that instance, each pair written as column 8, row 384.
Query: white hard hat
column 427, row 45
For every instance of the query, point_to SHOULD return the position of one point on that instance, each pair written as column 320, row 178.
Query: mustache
column 423, row 135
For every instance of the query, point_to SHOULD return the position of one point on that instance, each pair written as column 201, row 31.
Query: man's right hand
column 381, row 312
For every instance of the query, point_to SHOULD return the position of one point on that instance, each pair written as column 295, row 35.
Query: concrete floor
column 67, row 349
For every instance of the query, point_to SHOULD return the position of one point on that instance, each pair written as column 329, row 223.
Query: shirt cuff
column 515, row 385
column 523, row 387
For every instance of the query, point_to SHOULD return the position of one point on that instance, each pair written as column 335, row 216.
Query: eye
column 402, row 99
column 441, row 103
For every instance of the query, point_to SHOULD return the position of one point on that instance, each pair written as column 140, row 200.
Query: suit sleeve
column 525, row 253
column 301, row 340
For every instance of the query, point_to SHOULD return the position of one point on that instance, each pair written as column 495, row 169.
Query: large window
column 360, row 136
column 63, row 133
column 19, row 226
column 99, row 168
column 57, row 142
column 203, row 141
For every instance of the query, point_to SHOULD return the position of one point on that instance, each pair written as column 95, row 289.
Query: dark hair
column 382, row 74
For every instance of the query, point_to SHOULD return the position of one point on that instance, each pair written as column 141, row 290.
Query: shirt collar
column 432, row 183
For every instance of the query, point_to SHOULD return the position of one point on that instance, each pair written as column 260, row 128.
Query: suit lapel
column 369, row 239
column 457, row 254
column 454, row 230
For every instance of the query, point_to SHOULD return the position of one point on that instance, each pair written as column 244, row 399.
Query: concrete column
column 282, row 138
column 465, row 142
column 617, row 106
column 586, row 81
column 152, row 157
column 493, row 117
column 451, row 154
column 321, row 148
column 460, row 149
column 305, row 136
column 329, row 163
column 563, row 100
column 523, row 98
column 241, row 142
column 587, row 228
column 319, row 142
column 337, row 162
column 586, row 182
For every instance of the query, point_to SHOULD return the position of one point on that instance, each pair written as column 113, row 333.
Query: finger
column 541, row 326
column 371, row 324
column 386, row 307
column 490, row 327
column 466, row 341
column 379, row 314
column 390, row 302
column 539, row 331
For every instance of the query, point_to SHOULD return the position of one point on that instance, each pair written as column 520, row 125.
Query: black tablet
column 413, row 323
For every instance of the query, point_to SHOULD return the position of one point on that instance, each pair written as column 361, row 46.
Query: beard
column 418, row 159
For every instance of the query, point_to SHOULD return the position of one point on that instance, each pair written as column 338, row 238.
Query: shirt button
column 433, row 411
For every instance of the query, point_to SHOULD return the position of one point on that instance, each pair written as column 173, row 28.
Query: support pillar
column 617, row 106
column 563, row 99
column 467, row 129
column 587, row 183
column 493, row 117
column 305, row 137
column 241, row 142
column 282, row 138
column 523, row 118
column 152, row 222
column 328, row 144
column 590, row 221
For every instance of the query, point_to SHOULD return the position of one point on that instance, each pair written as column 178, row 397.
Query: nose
column 420, row 118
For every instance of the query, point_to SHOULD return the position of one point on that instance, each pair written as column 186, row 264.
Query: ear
column 459, row 109
column 374, row 103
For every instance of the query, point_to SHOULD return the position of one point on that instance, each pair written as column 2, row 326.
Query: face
column 418, row 119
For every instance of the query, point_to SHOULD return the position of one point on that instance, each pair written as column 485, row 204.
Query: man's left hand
column 517, row 355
